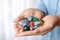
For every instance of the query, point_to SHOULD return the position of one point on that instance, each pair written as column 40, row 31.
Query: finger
column 40, row 29
column 18, row 28
column 43, row 33
column 18, row 18
column 21, row 28
column 26, row 33
column 39, row 14
column 15, row 25
column 29, row 12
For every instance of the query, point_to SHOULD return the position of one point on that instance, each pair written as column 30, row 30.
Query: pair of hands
column 49, row 23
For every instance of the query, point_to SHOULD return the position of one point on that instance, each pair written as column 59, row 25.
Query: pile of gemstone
column 31, row 23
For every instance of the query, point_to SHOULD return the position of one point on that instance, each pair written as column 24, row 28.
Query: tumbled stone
column 36, row 23
column 30, row 18
column 31, row 24
column 35, row 19
column 24, row 20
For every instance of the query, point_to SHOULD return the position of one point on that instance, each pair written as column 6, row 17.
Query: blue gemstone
column 25, row 24
column 30, row 18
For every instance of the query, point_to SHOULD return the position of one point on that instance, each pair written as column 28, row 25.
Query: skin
column 58, row 20
column 50, row 22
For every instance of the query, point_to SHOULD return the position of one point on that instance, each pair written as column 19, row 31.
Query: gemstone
column 24, row 20
column 30, row 18
column 41, row 22
column 35, row 19
column 37, row 23
column 26, row 28
column 31, row 24
column 35, row 27
column 31, row 28
column 25, row 24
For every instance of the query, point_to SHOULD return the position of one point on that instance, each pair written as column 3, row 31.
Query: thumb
column 20, row 17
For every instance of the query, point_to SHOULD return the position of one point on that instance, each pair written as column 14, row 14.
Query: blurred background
column 9, row 10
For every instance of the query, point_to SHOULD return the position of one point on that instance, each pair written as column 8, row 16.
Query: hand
column 25, row 14
column 49, row 24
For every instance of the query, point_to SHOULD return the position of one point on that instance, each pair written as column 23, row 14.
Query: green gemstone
column 26, row 28
column 35, row 19
column 30, row 18
column 37, row 23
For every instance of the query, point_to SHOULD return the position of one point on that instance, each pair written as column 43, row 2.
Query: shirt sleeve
column 42, row 6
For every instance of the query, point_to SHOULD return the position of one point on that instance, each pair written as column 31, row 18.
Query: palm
column 49, row 24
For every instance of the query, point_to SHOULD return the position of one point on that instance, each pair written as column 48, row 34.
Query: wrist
column 58, row 24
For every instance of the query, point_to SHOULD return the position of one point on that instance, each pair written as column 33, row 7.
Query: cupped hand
column 25, row 14
column 50, row 22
